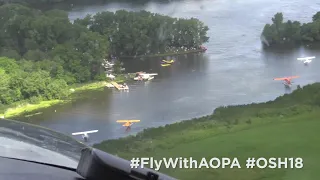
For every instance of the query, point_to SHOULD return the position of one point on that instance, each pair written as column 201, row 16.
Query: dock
column 116, row 85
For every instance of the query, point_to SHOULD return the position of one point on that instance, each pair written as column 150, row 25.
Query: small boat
column 165, row 65
column 168, row 62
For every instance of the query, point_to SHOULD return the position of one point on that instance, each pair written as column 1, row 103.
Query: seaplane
column 168, row 61
column 144, row 76
column 306, row 60
column 286, row 80
column 127, row 123
column 84, row 134
column 165, row 63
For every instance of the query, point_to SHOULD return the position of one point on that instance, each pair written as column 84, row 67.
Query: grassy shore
column 285, row 127
column 165, row 54
column 27, row 107
column 23, row 107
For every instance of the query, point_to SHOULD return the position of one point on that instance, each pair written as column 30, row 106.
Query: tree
column 291, row 32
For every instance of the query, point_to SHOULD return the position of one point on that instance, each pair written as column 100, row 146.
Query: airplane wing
column 283, row 78
column 153, row 74
column 84, row 132
column 125, row 121
column 306, row 58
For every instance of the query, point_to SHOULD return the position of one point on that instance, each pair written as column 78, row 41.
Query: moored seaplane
column 84, row 134
column 168, row 61
column 286, row 80
column 144, row 76
column 306, row 60
column 127, row 123
column 165, row 63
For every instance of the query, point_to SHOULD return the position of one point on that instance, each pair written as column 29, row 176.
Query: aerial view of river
column 234, row 70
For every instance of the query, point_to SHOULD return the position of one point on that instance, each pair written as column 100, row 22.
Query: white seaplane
column 144, row 76
column 84, row 134
column 306, row 60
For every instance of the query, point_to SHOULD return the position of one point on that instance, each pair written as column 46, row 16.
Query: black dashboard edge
column 97, row 165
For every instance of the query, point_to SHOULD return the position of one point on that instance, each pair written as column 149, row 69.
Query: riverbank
column 23, row 107
column 166, row 54
column 287, row 126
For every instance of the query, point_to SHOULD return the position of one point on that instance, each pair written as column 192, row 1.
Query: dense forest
column 291, row 32
column 46, row 45
column 29, row 80
column 143, row 33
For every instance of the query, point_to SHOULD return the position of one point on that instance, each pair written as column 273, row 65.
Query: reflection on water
column 234, row 70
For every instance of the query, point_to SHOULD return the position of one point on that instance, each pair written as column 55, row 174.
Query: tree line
column 46, row 44
column 145, row 33
column 290, row 32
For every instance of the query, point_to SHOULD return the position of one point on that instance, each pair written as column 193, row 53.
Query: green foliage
column 36, row 36
column 75, row 51
column 143, row 33
column 291, row 33
column 43, row 52
column 29, row 80
column 35, row 99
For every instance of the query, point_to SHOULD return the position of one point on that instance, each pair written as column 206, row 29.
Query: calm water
column 234, row 70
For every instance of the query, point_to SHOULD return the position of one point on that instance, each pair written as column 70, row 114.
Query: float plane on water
column 165, row 63
column 84, row 134
column 286, row 80
column 144, row 76
column 306, row 60
column 127, row 123
column 168, row 61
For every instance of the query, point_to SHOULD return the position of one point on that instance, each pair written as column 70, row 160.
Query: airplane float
column 286, row 80
column 306, row 60
column 144, row 76
column 168, row 61
column 165, row 63
column 127, row 123
column 84, row 134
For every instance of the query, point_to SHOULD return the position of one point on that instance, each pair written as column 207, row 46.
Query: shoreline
column 23, row 107
column 166, row 54
column 223, row 120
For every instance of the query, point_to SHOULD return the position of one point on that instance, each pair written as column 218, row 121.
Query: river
column 234, row 70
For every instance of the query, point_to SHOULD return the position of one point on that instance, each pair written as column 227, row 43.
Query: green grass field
column 286, row 127
column 294, row 137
